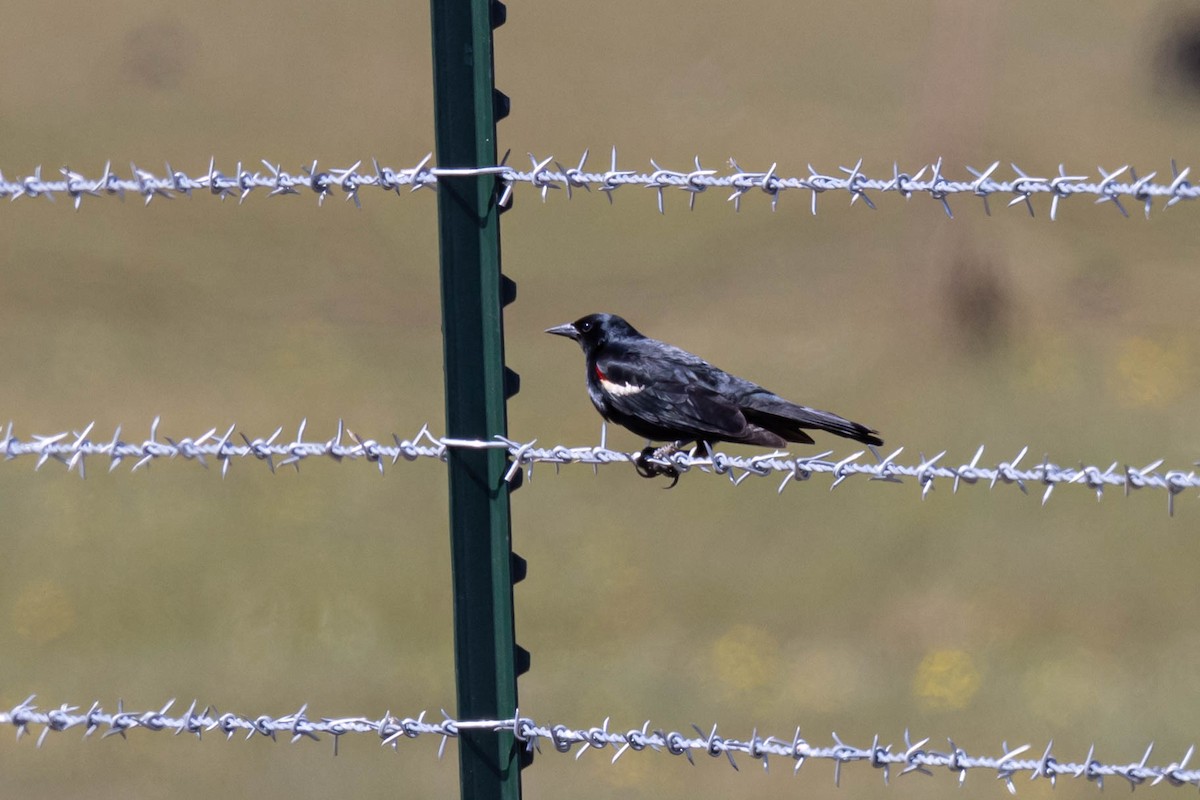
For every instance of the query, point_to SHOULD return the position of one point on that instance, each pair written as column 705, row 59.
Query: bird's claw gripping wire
column 648, row 469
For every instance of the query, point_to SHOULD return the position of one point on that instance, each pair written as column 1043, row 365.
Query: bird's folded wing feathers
column 674, row 401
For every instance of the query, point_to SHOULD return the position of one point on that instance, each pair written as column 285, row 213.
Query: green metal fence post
column 474, row 292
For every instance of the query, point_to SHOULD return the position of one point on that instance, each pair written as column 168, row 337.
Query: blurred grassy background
column 981, row 616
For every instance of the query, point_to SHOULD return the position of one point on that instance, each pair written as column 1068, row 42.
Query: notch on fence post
column 466, row 107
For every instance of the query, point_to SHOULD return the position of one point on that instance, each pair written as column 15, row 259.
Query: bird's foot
column 647, row 469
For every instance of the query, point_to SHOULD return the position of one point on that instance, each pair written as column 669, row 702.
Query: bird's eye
column 585, row 327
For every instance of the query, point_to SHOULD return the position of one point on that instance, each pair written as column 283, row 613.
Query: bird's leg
column 669, row 449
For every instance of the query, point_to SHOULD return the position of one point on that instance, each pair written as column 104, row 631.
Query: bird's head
column 595, row 330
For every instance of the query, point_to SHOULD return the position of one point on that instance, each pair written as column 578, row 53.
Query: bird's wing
column 670, row 396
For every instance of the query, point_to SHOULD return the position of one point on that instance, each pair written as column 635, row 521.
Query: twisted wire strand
column 73, row 449
column 1117, row 187
column 914, row 757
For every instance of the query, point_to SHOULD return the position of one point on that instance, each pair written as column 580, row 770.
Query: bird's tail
column 790, row 420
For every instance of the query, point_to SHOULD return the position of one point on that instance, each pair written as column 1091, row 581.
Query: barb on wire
column 73, row 449
column 913, row 757
column 1115, row 187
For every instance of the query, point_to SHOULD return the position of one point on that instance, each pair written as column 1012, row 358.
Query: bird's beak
column 567, row 329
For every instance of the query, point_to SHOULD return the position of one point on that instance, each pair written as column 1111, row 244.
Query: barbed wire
column 390, row 729
column 74, row 448
column 1117, row 187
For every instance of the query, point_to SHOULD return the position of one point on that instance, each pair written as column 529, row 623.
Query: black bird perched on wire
column 669, row 395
